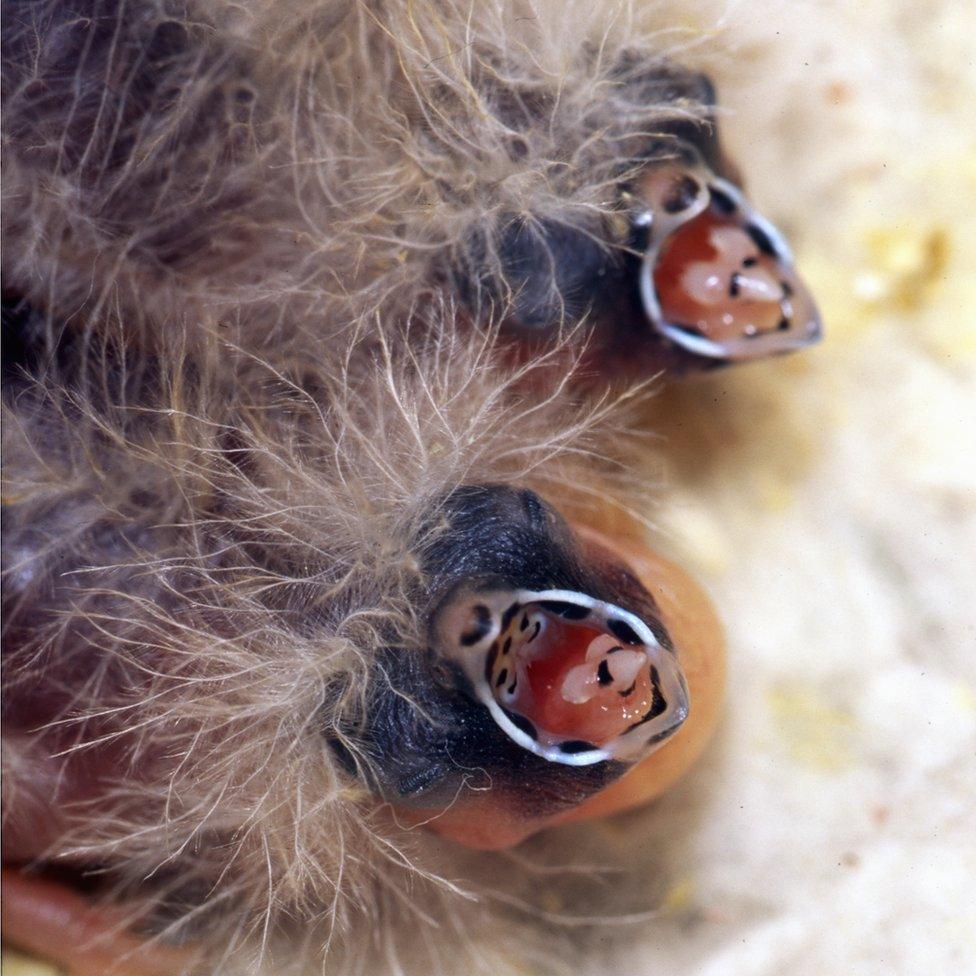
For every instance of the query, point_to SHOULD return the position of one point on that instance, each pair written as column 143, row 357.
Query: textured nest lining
column 829, row 502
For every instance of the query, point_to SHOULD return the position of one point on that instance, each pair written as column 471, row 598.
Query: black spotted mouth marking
column 481, row 625
column 717, row 279
column 572, row 679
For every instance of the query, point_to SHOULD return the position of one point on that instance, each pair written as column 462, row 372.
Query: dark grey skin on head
column 493, row 536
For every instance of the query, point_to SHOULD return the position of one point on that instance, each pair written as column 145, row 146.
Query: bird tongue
column 718, row 279
column 712, row 279
column 574, row 679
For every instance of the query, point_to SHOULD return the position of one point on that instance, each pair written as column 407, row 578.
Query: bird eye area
column 570, row 678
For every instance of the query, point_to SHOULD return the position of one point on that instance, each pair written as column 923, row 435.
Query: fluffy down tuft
column 233, row 232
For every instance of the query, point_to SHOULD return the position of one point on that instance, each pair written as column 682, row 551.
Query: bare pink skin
column 51, row 921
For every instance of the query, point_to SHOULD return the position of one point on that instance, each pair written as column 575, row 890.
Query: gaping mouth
column 717, row 278
column 572, row 679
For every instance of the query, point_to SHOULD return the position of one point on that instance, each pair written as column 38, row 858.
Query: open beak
column 570, row 678
column 554, row 660
column 717, row 279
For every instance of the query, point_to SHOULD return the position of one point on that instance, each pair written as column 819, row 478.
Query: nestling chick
column 309, row 525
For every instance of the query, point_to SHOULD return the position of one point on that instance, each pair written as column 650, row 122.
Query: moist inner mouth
column 573, row 679
column 570, row 677
column 718, row 279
